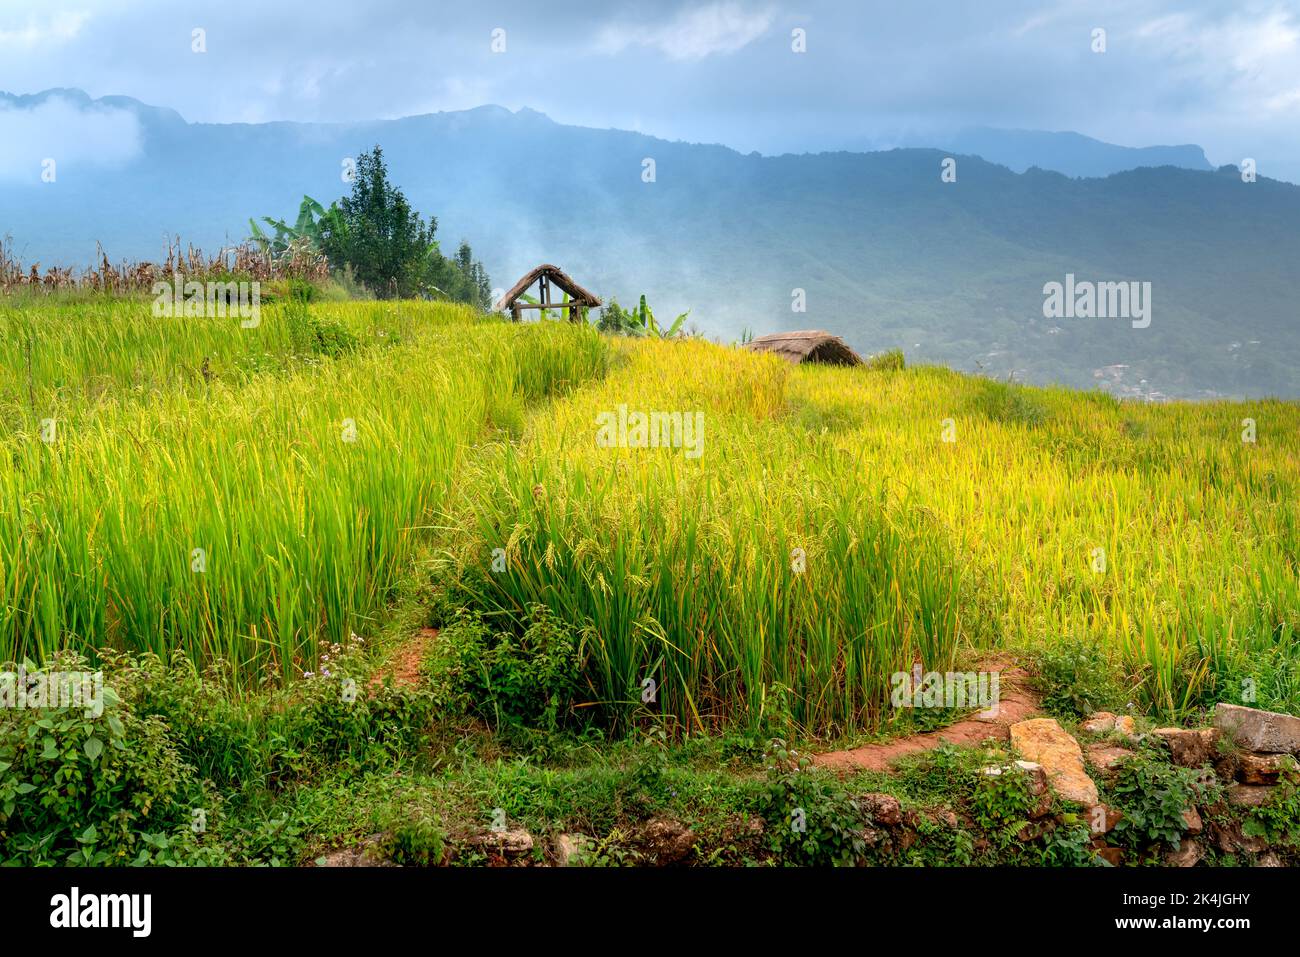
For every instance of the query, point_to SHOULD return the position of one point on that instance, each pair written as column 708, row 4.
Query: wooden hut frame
column 546, row 276
column 809, row 345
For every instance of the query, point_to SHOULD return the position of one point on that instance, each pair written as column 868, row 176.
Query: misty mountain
column 1070, row 153
column 886, row 253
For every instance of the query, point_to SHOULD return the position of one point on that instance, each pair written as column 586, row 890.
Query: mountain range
column 943, row 252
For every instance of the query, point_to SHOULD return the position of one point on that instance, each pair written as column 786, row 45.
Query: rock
column 873, row 836
column 365, row 854
column 1257, row 730
column 666, row 840
column 1038, row 783
column 882, row 808
column 1261, row 768
column 1227, row 836
column 1043, row 741
column 1249, row 795
column 1226, row 765
column 1269, row 859
column 1102, row 819
column 512, row 843
column 1113, row 856
column 1189, row 747
column 1100, row 722
column 1107, row 758
column 1104, row 722
column 943, row 817
column 1193, row 820
column 570, row 849
column 1187, row 854
column 1037, row 775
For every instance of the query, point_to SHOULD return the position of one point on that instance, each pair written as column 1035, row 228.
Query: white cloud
column 64, row 132
column 691, row 34
column 1252, row 61
column 55, row 29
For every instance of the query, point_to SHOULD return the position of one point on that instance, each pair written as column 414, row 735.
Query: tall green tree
column 383, row 238
column 389, row 247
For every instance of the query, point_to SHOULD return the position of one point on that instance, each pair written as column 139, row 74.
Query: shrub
column 76, row 788
column 1278, row 820
column 615, row 320
column 314, row 336
column 1076, row 678
column 1152, row 795
column 218, row 736
column 281, row 736
column 533, row 679
column 1003, row 803
column 811, row 820
column 416, row 840
column 1009, row 404
column 141, row 783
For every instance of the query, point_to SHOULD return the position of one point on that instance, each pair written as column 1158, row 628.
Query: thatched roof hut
column 546, row 276
column 809, row 345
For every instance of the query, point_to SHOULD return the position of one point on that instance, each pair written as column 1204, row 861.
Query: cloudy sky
column 1224, row 75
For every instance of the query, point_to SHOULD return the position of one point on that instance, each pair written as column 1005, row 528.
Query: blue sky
column 1224, row 75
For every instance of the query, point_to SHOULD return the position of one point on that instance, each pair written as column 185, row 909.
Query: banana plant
column 308, row 230
column 652, row 328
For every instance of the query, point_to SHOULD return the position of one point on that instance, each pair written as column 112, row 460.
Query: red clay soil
column 404, row 666
column 1016, row 702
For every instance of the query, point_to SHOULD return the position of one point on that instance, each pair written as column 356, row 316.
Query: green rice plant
column 772, row 565
column 248, row 513
column 826, row 529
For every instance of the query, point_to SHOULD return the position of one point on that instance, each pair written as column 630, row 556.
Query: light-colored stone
column 368, row 853
column 1269, row 859
column 1192, row 818
column 1257, row 730
column 1189, row 747
column 570, row 849
column 1107, row 758
column 1100, row 722
column 1043, row 741
column 511, row 843
column 1106, row 722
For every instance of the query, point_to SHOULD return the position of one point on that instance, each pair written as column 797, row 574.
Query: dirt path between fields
column 1016, row 703
column 403, row 666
